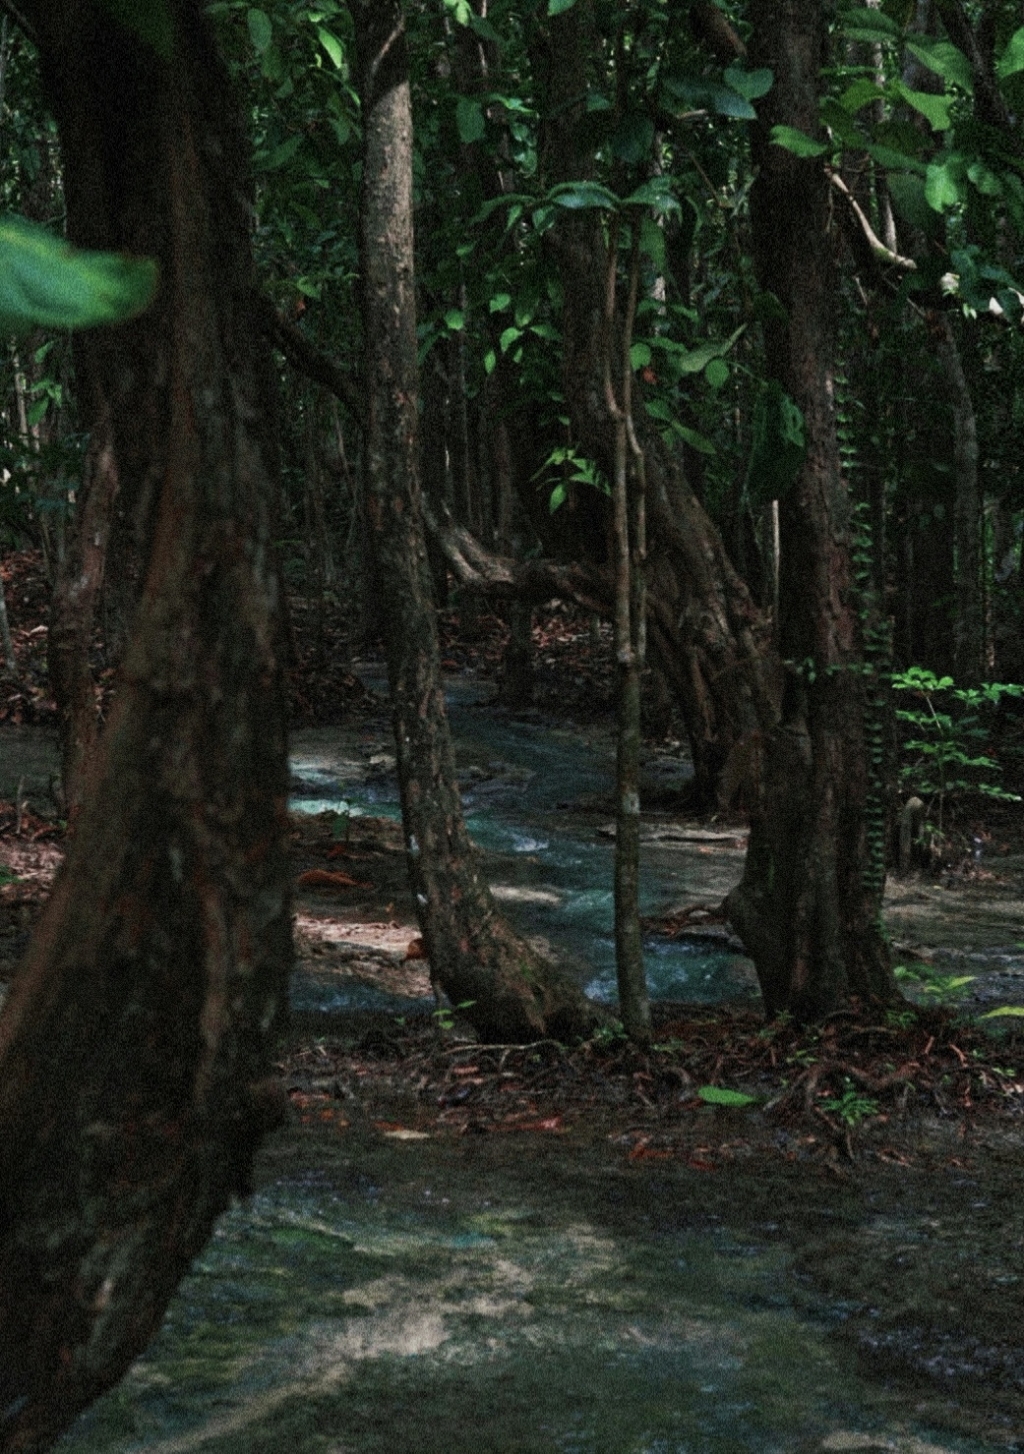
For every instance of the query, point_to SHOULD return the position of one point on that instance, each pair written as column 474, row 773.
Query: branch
column 310, row 360
column 479, row 570
column 879, row 251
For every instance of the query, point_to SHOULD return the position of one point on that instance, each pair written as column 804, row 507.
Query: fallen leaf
column 400, row 1133
column 323, row 878
column 649, row 1153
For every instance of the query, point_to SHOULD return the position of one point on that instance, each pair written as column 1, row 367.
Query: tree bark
column 133, row 1046
column 507, row 990
column 808, row 907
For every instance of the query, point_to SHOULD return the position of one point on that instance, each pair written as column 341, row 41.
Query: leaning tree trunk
column 808, row 907
column 133, row 1046
column 508, row 991
column 707, row 635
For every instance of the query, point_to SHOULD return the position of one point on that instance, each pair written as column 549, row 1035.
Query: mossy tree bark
column 808, row 907
column 133, row 1046
column 509, row 991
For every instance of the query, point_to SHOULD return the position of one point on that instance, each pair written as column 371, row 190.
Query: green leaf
column 558, row 7
column 455, row 320
column 45, row 283
column 861, row 93
column 508, row 338
column 943, row 183
column 1016, row 1010
column 1012, row 59
column 261, row 32
column 579, row 195
column 332, row 45
column 490, row 361
column 717, row 1095
column 557, row 497
column 469, row 117
column 632, row 139
column 749, row 84
column 271, row 160
column 944, row 59
column 153, row 23
column 890, row 157
column 797, row 142
column 499, row 302
column 716, row 373
column 869, row 25
column 907, row 192
column 728, row 102
column 691, row 437
column 934, row 109
column 841, row 123
column 640, row 355
column 655, row 193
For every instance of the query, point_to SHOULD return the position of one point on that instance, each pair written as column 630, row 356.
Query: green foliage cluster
column 945, row 732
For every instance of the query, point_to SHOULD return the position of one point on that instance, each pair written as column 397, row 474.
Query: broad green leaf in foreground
column 46, row 283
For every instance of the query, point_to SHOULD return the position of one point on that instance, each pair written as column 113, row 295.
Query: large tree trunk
column 707, row 634
column 808, row 907
column 508, row 990
column 133, row 1047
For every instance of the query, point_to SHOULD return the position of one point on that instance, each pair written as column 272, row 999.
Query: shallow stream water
column 539, row 801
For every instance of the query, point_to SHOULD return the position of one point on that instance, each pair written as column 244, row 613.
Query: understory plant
column 946, row 739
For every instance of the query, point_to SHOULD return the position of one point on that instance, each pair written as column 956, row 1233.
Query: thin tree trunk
column 133, row 1046
column 968, row 620
column 629, row 532
column 808, row 907
column 506, row 989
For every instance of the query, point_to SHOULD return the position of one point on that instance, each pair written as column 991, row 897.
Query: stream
column 539, row 802
column 388, row 1291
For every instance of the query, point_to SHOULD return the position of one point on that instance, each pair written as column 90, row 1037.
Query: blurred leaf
column 579, row 195
column 943, row 183
column 934, row 109
column 469, row 117
column 332, row 45
column 1012, row 59
column 944, row 59
column 716, row 1095
column 45, row 283
column 261, row 32
column 797, row 142
column 557, row 7
column 749, row 84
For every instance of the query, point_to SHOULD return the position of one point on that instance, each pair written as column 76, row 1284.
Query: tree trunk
column 808, row 907
column 969, row 619
column 711, row 641
column 509, row 992
column 133, row 1047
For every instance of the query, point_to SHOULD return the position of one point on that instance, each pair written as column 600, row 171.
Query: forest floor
column 922, row 1104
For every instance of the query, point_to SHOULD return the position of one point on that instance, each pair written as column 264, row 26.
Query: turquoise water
column 407, row 1298
column 523, row 785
